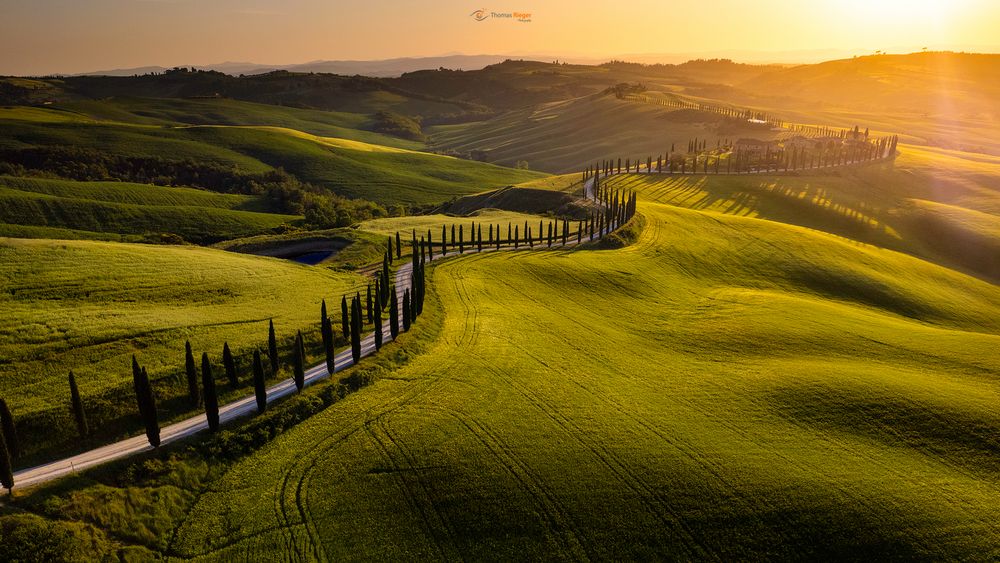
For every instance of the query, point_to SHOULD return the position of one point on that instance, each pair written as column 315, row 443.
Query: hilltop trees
column 190, row 370
column 259, row 388
column 272, row 347
column 146, row 403
column 77, row 404
column 211, row 398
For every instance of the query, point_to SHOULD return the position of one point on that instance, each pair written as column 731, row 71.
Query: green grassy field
column 348, row 166
column 41, row 208
column 566, row 136
column 161, row 111
column 88, row 306
column 934, row 204
column 725, row 388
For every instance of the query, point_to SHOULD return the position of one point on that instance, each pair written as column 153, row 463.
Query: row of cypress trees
column 403, row 314
column 549, row 233
column 727, row 111
column 852, row 148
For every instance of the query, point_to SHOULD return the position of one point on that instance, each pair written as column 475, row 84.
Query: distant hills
column 960, row 84
column 942, row 99
column 377, row 68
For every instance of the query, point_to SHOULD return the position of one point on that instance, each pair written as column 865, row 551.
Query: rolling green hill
column 88, row 306
column 788, row 367
column 965, row 83
column 724, row 388
column 347, row 167
column 354, row 94
column 128, row 209
column 174, row 111
column 936, row 205
column 569, row 135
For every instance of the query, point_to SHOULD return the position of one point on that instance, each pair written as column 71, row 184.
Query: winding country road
column 248, row 405
column 231, row 411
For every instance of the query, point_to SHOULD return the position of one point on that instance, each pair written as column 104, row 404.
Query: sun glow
column 905, row 12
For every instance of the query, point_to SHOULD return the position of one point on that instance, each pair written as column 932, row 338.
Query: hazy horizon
column 58, row 37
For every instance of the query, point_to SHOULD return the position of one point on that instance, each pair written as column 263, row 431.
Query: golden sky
column 50, row 36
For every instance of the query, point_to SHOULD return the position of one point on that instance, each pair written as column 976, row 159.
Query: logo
column 483, row 14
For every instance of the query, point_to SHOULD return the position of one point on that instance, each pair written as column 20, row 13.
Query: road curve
column 229, row 412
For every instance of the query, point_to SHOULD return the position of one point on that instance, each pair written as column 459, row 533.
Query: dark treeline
column 282, row 192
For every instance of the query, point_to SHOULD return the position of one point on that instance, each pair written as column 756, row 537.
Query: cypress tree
column 6, row 467
column 461, row 241
column 453, row 239
column 491, row 233
column 152, row 425
column 299, row 362
column 192, row 375
column 550, row 234
column 8, row 431
column 230, row 365
column 389, row 250
column 406, row 310
column 385, row 291
column 444, row 241
column 420, row 291
column 394, row 315
column 356, row 330
column 480, row 236
column 344, row 318
column 211, row 399
column 368, row 302
column 77, row 404
column 430, row 245
column 413, row 301
column 399, row 246
column 259, row 390
column 326, row 330
column 378, row 331
column 272, row 347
